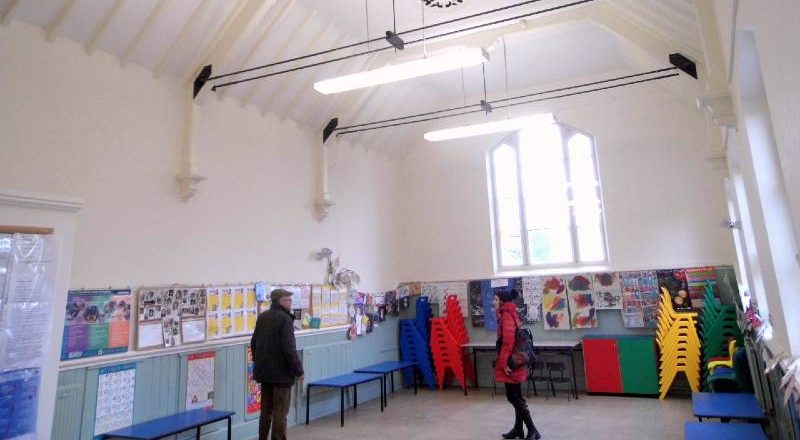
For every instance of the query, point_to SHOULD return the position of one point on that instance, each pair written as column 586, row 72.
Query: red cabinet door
column 601, row 364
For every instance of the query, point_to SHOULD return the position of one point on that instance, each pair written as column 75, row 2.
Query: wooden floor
column 451, row 415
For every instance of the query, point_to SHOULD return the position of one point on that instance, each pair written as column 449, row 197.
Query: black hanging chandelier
column 442, row 3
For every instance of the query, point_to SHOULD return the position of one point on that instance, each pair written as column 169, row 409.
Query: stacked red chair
column 455, row 323
column 447, row 354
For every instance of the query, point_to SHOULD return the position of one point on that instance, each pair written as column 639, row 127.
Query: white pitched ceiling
column 177, row 37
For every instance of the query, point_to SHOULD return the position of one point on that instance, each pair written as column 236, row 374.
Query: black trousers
column 275, row 400
column 514, row 397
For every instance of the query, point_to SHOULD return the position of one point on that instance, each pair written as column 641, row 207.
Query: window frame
column 513, row 140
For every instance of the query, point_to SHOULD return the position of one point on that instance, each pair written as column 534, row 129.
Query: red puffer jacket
column 507, row 323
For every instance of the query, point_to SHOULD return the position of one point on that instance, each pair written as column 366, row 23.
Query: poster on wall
column 639, row 299
column 252, row 394
column 115, row 395
column 581, row 301
column 19, row 403
column 607, row 291
column 696, row 279
column 97, row 322
column 532, row 291
column 555, row 308
column 176, row 310
column 200, row 381
column 674, row 280
column 476, row 313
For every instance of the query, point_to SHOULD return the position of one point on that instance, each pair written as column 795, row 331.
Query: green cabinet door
column 637, row 363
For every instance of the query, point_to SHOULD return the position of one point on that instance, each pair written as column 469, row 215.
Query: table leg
column 383, row 391
column 308, row 397
column 197, row 433
column 574, row 380
column 341, row 408
column 229, row 428
column 392, row 373
column 355, row 396
column 475, row 365
column 416, row 372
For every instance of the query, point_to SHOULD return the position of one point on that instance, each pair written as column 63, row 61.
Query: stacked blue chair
column 414, row 345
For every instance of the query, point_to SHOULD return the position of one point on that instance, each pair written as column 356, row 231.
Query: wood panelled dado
column 161, row 383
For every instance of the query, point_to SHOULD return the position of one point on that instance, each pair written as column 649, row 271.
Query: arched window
column 547, row 205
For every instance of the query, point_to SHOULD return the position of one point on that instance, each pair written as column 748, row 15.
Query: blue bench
column 388, row 368
column 171, row 425
column 728, row 431
column 344, row 382
column 727, row 406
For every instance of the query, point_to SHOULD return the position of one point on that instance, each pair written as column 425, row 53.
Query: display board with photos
column 170, row 316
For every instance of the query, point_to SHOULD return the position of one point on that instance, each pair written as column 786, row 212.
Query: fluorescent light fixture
column 490, row 127
column 398, row 72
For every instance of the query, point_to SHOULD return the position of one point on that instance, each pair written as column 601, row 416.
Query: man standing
column 276, row 364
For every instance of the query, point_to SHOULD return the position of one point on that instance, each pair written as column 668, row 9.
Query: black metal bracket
column 201, row 79
column 328, row 130
column 486, row 106
column 685, row 64
column 395, row 40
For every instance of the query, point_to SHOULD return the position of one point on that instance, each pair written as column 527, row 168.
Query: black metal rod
column 367, row 52
column 561, row 89
column 374, row 40
column 509, row 105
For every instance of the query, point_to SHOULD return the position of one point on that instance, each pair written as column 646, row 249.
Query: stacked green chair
column 718, row 326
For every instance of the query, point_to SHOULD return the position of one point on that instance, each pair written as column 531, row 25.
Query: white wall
column 663, row 201
column 83, row 126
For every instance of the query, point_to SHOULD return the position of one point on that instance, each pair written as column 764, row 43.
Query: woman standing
column 507, row 323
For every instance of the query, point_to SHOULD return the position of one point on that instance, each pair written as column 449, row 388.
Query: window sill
column 550, row 270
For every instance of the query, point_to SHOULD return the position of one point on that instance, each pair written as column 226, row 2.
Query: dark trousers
column 275, row 401
column 514, row 397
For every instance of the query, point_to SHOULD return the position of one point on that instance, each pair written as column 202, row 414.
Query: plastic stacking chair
column 536, row 372
column 560, row 368
column 726, row 361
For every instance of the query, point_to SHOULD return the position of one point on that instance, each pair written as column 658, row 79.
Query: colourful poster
column 555, row 305
column 97, row 322
column 639, row 299
column 252, row 394
column 200, row 381
column 581, row 301
column 115, row 395
column 696, row 278
column 607, row 291
column 674, row 280
column 19, row 403
column 477, row 313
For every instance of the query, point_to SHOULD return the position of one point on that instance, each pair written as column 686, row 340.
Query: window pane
column 505, row 180
column 510, row 249
column 550, row 245
column 544, row 178
column 590, row 243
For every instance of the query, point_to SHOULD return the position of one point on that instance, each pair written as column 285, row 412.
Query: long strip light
column 398, row 72
column 490, row 127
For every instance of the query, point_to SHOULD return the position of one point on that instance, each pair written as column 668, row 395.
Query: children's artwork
column 19, row 403
column 200, row 381
column 581, row 301
column 555, row 305
column 532, row 291
column 115, row 393
column 639, row 299
column 607, row 291
column 674, row 280
column 252, row 394
column 696, row 280
column 97, row 322
column 476, row 304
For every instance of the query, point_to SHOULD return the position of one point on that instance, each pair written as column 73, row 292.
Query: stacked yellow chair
column 679, row 345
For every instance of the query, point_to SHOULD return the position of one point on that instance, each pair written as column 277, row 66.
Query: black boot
column 516, row 431
column 533, row 433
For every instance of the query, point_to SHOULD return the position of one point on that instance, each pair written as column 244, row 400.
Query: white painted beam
column 10, row 12
column 137, row 40
column 240, row 24
column 186, row 30
column 94, row 40
column 248, row 58
column 54, row 27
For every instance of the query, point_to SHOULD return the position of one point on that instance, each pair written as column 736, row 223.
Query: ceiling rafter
column 238, row 26
column 635, row 20
column 54, row 27
column 101, row 28
column 137, row 40
column 685, row 19
column 307, row 86
column 655, row 18
column 187, row 28
column 10, row 12
column 315, row 39
column 248, row 58
column 287, row 43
